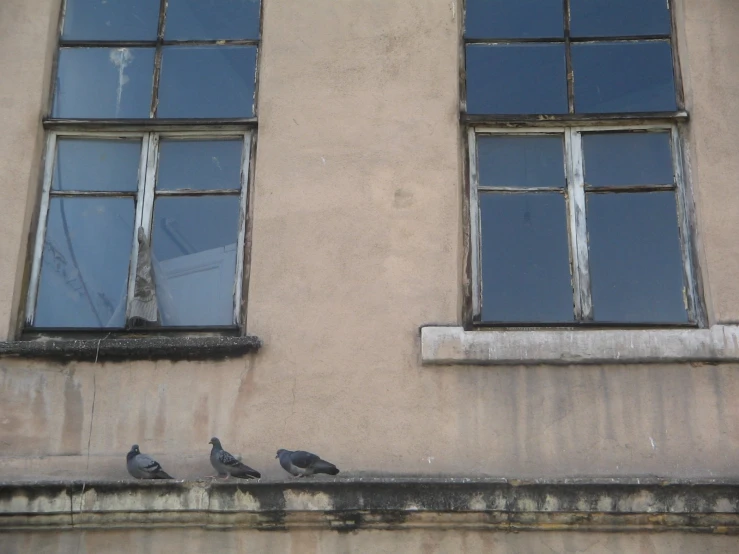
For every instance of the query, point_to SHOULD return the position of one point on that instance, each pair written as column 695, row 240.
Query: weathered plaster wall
column 710, row 55
column 356, row 243
column 320, row 542
column 26, row 27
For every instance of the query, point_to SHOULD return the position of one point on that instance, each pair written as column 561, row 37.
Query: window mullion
column 577, row 226
column 474, row 240
column 38, row 250
column 144, row 206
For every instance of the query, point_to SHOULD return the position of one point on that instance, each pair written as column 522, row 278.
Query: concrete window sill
column 349, row 504
column 126, row 349
column 455, row 346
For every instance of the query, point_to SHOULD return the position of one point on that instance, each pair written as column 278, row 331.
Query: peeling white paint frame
column 576, row 210
column 240, row 244
column 144, row 201
column 38, row 249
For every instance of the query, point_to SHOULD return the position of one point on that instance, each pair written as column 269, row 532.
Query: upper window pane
column 96, row 165
column 623, row 77
column 619, row 18
column 636, row 267
column 104, row 83
column 195, row 258
column 622, row 159
column 199, row 164
column 111, row 20
column 520, row 161
column 516, row 79
column 212, row 19
column 514, row 19
column 207, row 81
column 84, row 269
column 525, row 260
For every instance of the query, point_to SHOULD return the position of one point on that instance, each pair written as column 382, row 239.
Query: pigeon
column 302, row 464
column 225, row 463
column 141, row 466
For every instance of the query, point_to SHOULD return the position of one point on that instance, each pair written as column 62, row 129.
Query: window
column 147, row 166
column 578, row 207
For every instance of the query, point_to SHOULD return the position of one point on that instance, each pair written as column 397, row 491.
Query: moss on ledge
column 132, row 348
column 377, row 503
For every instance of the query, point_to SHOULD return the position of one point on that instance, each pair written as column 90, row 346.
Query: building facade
column 486, row 266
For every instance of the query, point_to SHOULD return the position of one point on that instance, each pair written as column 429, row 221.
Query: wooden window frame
column 576, row 216
column 149, row 130
column 144, row 197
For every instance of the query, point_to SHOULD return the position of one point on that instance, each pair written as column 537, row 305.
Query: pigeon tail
column 162, row 475
column 323, row 466
column 247, row 473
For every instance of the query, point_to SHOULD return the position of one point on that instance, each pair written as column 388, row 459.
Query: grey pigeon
column 304, row 464
column 142, row 467
column 225, row 464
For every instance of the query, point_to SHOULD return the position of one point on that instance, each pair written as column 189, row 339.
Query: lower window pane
column 97, row 165
column 199, row 164
column 84, row 270
column 622, row 159
column 194, row 250
column 525, row 259
column 636, row 267
column 521, row 161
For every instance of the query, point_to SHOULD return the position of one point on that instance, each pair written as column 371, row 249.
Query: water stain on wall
column 73, row 417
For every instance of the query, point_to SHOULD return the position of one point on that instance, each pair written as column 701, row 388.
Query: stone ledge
column 138, row 348
column 454, row 345
column 376, row 503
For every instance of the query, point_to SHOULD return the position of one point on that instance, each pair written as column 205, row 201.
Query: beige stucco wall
column 376, row 542
column 357, row 241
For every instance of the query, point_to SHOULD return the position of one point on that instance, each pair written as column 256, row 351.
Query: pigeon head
column 279, row 452
column 133, row 452
column 215, row 442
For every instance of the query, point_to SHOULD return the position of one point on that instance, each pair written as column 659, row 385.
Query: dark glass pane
column 516, row 79
column 207, row 81
column 525, row 260
column 195, row 259
column 111, row 20
column 212, row 19
column 619, row 18
column 636, row 267
column 514, row 19
column 620, row 159
column 520, row 161
column 97, row 165
column 84, row 270
column 104, row 83
column 199, row 164
column 623, row 77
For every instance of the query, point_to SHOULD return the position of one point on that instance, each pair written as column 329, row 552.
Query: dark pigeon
column 225, row 464
column 303, row 464
column 142, row 466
